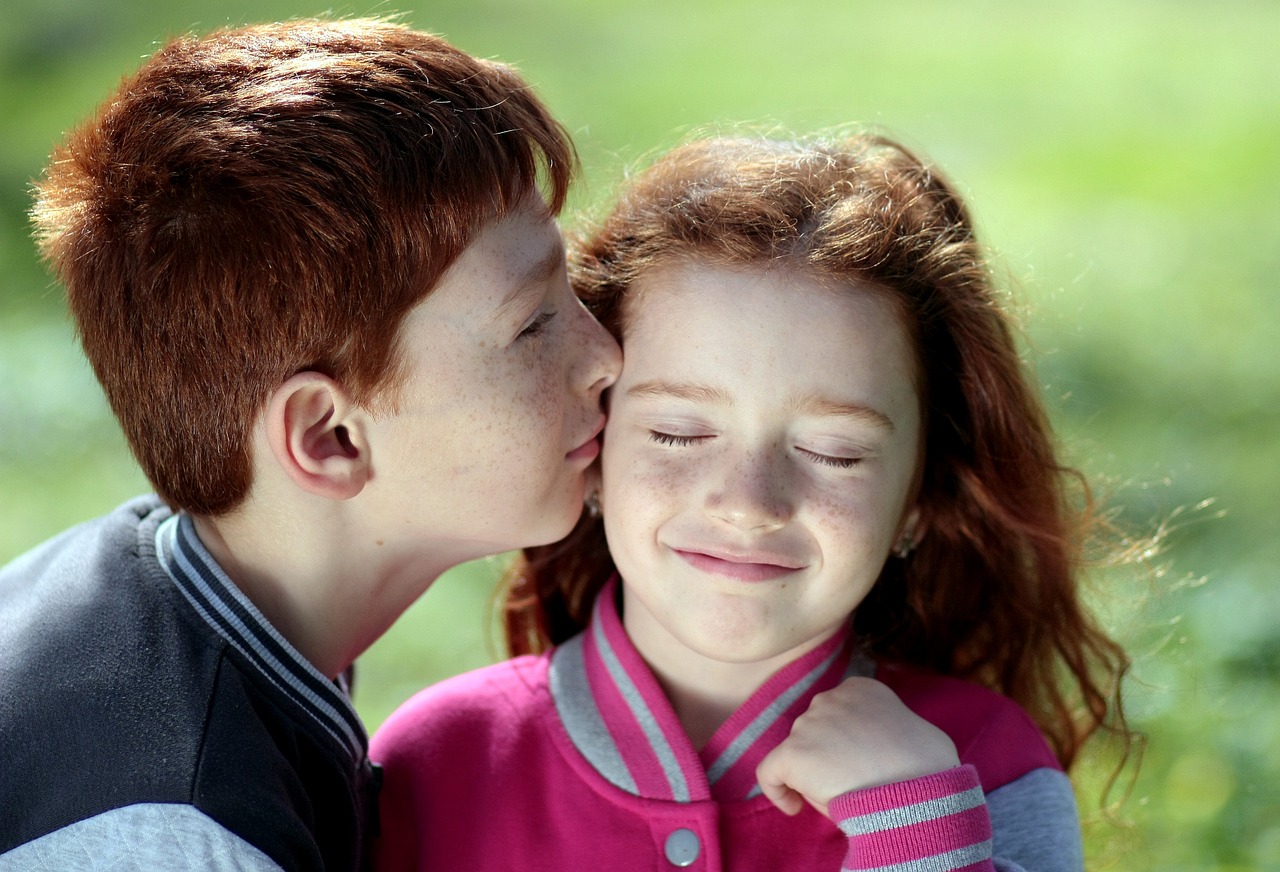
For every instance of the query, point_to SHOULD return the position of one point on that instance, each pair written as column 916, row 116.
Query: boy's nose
column 600, row 360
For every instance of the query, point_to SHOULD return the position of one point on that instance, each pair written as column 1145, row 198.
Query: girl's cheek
column 855, row 522
column 644, row 481
column 834, row 514
column 665, row 475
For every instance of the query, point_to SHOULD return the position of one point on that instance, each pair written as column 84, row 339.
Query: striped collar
column 618, row 717
column 230, row 613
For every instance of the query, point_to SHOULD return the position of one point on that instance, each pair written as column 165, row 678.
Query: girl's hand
column 856, row 735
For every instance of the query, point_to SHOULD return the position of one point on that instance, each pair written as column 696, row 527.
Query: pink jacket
column 576, row 761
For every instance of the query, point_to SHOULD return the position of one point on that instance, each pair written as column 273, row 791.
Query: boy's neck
column 326, row 595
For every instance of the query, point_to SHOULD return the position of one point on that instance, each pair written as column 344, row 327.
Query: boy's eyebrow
column 696, row 393
column 537, row 273
column 823, row 407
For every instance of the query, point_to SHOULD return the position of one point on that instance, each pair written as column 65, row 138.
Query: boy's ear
column 317, row 436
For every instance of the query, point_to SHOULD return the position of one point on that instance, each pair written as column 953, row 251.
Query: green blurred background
column 1121, row 160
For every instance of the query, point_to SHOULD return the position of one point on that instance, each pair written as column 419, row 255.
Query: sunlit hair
column 991, row 592
column 270, row 200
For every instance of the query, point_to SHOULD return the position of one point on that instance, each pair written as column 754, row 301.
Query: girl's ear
column 910, row 532
column 317, row 436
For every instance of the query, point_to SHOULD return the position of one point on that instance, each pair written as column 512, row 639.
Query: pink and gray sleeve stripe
column 937, row 823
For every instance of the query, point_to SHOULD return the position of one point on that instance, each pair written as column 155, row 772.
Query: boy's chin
column 570, row 524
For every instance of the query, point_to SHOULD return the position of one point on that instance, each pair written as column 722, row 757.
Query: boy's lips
column 743, row 566
column 589, row 449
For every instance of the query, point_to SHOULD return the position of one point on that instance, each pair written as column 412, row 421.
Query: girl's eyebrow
column 823, row 407
column 694, row 393
column 808, row 404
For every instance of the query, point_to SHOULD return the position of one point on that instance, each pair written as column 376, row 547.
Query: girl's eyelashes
column 828, row 460
column 679, row 441
column 672, row 439
column 536, row 326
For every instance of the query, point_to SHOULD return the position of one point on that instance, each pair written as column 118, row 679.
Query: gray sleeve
column 151, row 837
column 1035, row 824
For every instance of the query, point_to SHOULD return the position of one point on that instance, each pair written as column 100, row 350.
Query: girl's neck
column 704, row 690
column 704, row 693
column 703, row 709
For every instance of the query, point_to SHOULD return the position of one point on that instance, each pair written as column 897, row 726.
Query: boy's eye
column 672, row 439
column 828, row 460
column 536, row 326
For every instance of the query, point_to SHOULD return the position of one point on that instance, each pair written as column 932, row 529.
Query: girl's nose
column 753, row 493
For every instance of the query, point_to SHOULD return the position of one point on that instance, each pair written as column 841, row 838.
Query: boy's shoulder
column 990, row 731
column 118, row 697
column 77, row 545
column 96, row 669
column 66, row 596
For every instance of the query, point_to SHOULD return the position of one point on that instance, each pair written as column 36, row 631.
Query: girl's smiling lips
column 744, row 566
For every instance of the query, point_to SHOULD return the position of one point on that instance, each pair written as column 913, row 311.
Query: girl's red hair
column 991, row 593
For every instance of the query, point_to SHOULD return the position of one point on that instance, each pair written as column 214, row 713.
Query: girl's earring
column 593, row 504
column 904, row 547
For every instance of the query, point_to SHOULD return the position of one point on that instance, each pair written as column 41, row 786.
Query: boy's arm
column 152, row 837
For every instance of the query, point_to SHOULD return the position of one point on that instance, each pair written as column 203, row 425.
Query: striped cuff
column 938, row 823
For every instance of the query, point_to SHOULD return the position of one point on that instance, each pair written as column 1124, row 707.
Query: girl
column 830, row 510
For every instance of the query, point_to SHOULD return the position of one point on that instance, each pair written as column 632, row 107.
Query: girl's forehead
column 750, row 294
column 767, row 330
column 718, row 292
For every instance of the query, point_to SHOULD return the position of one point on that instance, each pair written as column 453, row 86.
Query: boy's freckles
column 491, row 410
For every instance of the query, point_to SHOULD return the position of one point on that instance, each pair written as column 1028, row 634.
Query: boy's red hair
column 270, row 200
column 991, row 592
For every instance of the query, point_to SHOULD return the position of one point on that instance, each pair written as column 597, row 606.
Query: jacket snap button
column 682, row 847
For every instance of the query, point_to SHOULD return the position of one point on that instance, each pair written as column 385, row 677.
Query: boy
column 315, row 267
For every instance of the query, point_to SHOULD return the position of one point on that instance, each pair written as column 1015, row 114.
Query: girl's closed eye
column 537, row 325
column 830, row 460
column 675, row 439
